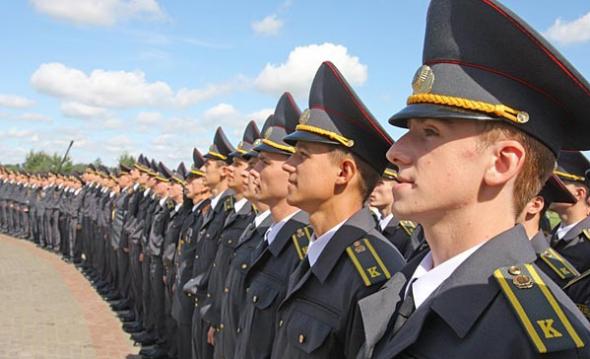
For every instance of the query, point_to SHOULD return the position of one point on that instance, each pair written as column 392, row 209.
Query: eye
column 429, row 131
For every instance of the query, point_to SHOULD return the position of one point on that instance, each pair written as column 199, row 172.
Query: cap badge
column 304, row 118
column 423, row 80
column 268, row 132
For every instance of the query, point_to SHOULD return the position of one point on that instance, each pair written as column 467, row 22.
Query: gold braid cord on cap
column 569, row 176
column 325, row 133
column 272, row 143
column 467, row 104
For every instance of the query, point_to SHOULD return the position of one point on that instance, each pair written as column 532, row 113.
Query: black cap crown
column 251, row 134
column 278, row 126
column 482, row 62
column 221, row 147
column 164, row 173
column 337, row 116
column 572, row 166
column 198, row 162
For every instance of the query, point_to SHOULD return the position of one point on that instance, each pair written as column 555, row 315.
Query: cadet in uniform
column 285, row 242
column 398, row 232
column 571, row 238
column 235, row 223
column 483, row 135
column 182, row 306
column 347, row 258
column 222, row 205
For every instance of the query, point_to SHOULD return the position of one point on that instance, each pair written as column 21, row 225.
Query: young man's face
column 135, row 174
column 271, row 180
column 382, row 195
column 215, row 171
column 235, row 180
column 249, row 178
column 441, row 166
column 312, row 175
column 161, row 189
column 175, row 191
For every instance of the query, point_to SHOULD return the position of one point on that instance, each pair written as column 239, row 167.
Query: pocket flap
column 307, row 333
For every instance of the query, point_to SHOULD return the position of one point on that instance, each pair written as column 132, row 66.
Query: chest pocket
column 307, row 333
column 263, row 297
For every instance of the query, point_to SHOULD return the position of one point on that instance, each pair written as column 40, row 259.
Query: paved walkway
column 49, row 310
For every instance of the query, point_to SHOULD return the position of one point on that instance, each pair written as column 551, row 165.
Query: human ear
column 347, row 170
column 507, row 160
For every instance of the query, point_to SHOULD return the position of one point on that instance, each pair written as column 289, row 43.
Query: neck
column 281, row 210
column 261, row 207
column 461, row 229
column 333, row 212
column 531, row 226
column 219, row 188
column 238, row 195
column 573, row 214
column 386, row 211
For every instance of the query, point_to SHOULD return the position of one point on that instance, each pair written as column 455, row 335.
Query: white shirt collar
column 177, row 207
column 214, row 200
column 239, row 204
column 317, row 245
column 563, row 230
column 383, row 222
column 146, row 192
column 261, row 217
column 77, row 191
column 427, row 279
column 111, row 195
column 275, row 228
column 135, row 186
column 163, row 201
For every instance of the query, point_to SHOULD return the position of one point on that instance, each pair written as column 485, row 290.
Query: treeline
column 41, row 161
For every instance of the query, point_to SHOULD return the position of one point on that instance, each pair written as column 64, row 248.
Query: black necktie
column 406, row 309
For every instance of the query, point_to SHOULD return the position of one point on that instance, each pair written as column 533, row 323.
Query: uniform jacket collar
column 352, row 230
column 299, row 220
column 574, row 232
column 473, row 280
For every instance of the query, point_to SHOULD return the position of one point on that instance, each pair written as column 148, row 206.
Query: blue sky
column 157, row 76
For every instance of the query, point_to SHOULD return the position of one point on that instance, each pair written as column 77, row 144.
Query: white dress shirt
column 385, row 221
column 317, row 245
column 275, row 228
column 214, row 201
column 426, row 279
column 239, row 204
column 261, row 217
column 562, row 230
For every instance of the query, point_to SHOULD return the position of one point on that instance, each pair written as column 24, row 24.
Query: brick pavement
column 49, row 310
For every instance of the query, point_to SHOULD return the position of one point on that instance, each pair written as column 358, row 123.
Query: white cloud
column 33, row 116
column 570, row 32
column 260, row 116
column 80, row 110
column 119, row 144
column 118, row 89
column 148, row 118
column 296, row 74
column 269, row 26
column 15, row 101
column 98, row 12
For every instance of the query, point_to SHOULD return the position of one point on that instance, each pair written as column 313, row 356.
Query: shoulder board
column 537, row 309
column 170, row 204
column 408, row 226
column 582, row 276
column 228, row 204
column 367, row 262
column 561, row 266
column 113, row 214
column 301, row 240
column 586, row 233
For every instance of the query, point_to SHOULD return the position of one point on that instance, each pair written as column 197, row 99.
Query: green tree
column 126, row 159
column 43, row 162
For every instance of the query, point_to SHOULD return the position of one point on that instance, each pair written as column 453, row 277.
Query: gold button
column 301, row 338
column 226, row 290
column 229, row 241
column 281, row 323
column 514, row 270
column 220, row 326
column 244, row 266
column 255, row 299
column 208, row 295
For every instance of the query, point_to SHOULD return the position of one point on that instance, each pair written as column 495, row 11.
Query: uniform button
column 301, row 338
column 213, row 265
column 229, row 242
column 220, row 326
column 226, row 290
column 244, row 266
column 255, row 299
column 281, row 322
column 238, row 330
column 208, row 295
column 197, row 256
